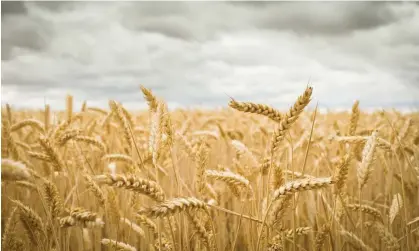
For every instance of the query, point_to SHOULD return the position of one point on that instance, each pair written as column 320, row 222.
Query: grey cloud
column 201, row 53
column 156, row 9
column 55, row 6
column 20, row 29
column 12, row 8
column 176, row 27
column 188, row 21
column 326, row 18
column 27, row 36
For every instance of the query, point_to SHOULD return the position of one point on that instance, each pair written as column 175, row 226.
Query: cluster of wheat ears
column 248, row 177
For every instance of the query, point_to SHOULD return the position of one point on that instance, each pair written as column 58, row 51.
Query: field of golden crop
column 246, row 177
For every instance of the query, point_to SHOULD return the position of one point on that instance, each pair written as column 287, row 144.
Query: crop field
column 245, row 177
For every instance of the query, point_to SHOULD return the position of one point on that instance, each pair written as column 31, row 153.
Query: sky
column 199, row 54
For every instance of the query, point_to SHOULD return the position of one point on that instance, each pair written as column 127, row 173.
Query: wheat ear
column 384, row 235
column 201, row 163
column 396, row 206
column 260, row 109
column 354, row 118
column 278, row 209
column 302, row 185
column 133, row 226
column 155, row 133
column 150, row 98
column 32, row 222
column 98, row 110
column 167, row 126
column 28, row 185
column 53, row 199
column 14, row 170
column 95, row 190
column 81, row 217
column 365, row 169
column 148, row 223
column 40, row 156
column 116, row 109
column 321, row 237
column 34, row 123
column 173, row 206
column 367, row 210
column 91, row 141
column 143, row 186
column 7, row 232
column 119, row 157
column 47, row 118
column 277, row 177
column 355, row 240
column 186, row 145
column 69, row 107
column 204, row 236
column 67, row 135
column 289, row 233
column 116, row 245
column 276, row 241
column 297, row 175
column 128, row 116
column 8, row 143
column 342, row 173
column 290, row 117
column 234, row 180
column 23, row 145
column 52, row 153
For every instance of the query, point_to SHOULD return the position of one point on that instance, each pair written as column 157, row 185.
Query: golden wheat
column 89, row 178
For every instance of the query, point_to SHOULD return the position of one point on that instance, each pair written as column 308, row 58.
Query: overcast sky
column 200, row 53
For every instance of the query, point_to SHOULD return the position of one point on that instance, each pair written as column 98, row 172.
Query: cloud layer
column 199, row 53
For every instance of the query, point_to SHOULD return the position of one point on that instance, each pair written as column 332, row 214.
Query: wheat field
column 246, row 177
